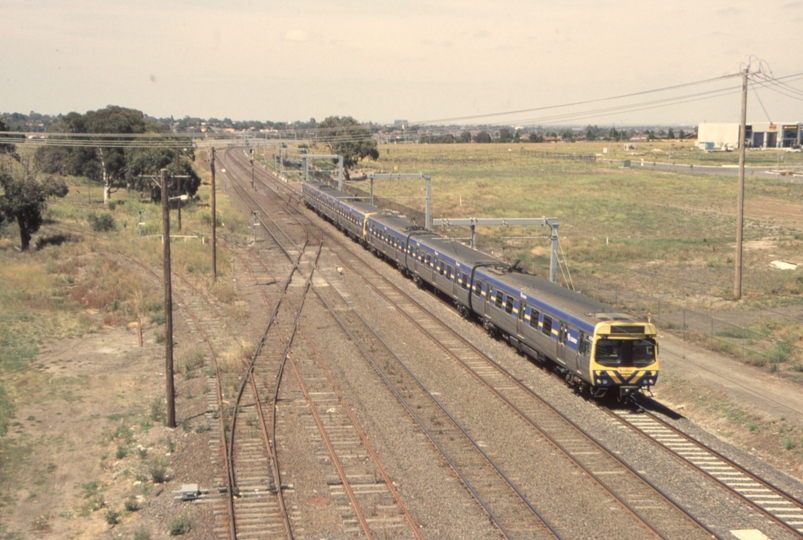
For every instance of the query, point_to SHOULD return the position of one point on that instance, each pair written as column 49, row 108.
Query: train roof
column 560, row 297
column 460, row 252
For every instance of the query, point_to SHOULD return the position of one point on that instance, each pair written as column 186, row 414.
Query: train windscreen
column 625, row 353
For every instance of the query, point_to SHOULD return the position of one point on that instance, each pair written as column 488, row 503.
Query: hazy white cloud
column 378, row 61
column 296, row 35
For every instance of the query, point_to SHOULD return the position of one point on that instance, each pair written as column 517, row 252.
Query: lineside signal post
column 552, row 223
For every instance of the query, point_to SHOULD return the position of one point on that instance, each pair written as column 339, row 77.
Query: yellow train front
column 623, row 355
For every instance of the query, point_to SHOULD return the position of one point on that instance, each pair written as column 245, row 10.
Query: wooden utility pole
column 171, row 396
column 178, row 184
column 737, row 281
column 214, row 221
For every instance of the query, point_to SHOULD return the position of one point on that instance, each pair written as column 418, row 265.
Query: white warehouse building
column 725, row 136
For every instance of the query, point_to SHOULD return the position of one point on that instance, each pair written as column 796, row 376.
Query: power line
column 576, row 103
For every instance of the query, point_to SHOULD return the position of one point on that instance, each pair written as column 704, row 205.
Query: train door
column 565, row 352
column 520, row 321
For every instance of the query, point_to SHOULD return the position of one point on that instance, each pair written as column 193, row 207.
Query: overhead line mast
column 737, row 280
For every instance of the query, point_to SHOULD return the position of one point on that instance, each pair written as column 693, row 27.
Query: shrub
column 122, row 451
column 112, row 517
column 102, row 223
column 142, row 535
column 131, row 505
column 158, row 471
column 180, row 525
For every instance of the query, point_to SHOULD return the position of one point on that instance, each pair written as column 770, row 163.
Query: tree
column 105, row 164
column 505, row 135
column 482, row 137
column 465, row 137
column 347, row 137
column 517, row 136
column 535, row 137
column 670, row 134
column 144, row 163
column 24, row 197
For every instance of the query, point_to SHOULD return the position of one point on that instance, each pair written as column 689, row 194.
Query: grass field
column 644, row 240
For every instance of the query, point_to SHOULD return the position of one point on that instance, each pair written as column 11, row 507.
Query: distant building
column 725, row 136
column 401, row 124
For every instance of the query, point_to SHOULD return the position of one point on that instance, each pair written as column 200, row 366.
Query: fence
column 735, row 337
column 563, row 155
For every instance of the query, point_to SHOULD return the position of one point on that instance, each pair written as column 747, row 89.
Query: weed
column 122, row 452
column 157, row 410
column 142, row 535
column 90, row 488
column 142, row 452
column 41, row 523
column 185, row 425
column 102, row 223
column 131, row 505
column 202, row 429
column 180, row 525
column 753, row 428
column 122, row 432
column 158, row 471
column 112, row 517
column 158, row 318
column 171, row 446
column 789, row 444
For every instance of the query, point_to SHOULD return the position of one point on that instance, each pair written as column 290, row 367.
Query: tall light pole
column 170, row 391
column 737, row 280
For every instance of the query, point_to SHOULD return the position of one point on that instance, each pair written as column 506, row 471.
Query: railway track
column 648, row 504
column 359, row 485
column 773, row 502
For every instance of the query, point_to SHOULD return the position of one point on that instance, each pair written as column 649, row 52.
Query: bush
column 142, row 535
column 102, row 223
column 112, row 517
column 122, row 451
column 158, row 471
column 180, row 525
column 131, row 505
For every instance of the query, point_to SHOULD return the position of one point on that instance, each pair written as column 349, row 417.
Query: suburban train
column 598, row 351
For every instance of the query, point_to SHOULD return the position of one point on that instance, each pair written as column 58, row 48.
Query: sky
column 423, row 61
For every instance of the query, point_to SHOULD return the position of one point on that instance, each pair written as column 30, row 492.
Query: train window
column 534, row 316
column 499, row 298
column 585, row 345
column 547, row 327
column 562, row 333
column 449, row 272
column 466, row 282
column 522, row 309
column 509, row 304
column 477, row 287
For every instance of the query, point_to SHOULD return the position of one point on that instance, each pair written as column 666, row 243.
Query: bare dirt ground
column 92, row 445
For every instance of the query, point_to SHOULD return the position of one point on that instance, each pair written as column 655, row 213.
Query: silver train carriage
column 596, row 349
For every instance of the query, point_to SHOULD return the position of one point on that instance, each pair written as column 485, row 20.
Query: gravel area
column 432, row 492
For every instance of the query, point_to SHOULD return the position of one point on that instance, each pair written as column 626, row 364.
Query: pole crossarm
column 449, row 222
column 398, row 175
column 552, row 223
